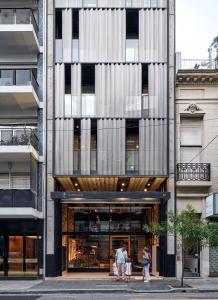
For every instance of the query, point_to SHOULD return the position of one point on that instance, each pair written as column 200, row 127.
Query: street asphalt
column 181, row 296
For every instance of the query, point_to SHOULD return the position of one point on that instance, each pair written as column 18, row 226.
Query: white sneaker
column 145, row 280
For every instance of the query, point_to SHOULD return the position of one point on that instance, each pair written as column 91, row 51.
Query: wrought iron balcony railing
column 18, row 198
column 18, row 77
column 12, row 136
column 18, row 16
column 193, row 172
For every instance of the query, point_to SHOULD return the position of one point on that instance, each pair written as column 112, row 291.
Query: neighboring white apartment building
column 197, row 158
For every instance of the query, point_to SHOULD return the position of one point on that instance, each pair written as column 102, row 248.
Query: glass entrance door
column 18, row 256
column 116, row 242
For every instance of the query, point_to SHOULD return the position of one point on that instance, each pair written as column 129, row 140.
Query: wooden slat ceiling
column 67, row 183
column 137, row 184
column 110, row 184
column 101, row 184
column 156, row 184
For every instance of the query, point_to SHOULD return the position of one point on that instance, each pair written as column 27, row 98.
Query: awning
column 111, row 197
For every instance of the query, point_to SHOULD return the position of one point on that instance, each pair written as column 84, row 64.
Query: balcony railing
column 18, row 137
column 18, row 16
column 18, row 77
column 93, row 163
column 132, row 161
column 77, row 161
column 193, row 172
column 18, row 198
column 197, row 64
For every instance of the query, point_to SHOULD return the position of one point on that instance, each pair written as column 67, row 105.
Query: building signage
column 212, row 205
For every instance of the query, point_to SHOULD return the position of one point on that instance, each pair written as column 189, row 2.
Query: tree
column 190, row 229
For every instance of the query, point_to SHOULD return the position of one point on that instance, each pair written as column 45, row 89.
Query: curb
column 106, row 291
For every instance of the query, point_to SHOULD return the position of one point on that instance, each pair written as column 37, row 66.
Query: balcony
column 18, row 198
column 193, row 172
column 18, row 34
column 16, row 143
column 18, row 204
column 132, row 161
column 18, row 92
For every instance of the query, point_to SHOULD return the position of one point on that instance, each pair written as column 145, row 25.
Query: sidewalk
column 52, row 286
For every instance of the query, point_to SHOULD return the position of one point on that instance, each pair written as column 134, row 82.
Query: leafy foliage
column 190, row 229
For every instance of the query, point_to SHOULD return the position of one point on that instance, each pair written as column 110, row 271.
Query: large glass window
column 89, row 3
column 88, row 105
column 110, row 218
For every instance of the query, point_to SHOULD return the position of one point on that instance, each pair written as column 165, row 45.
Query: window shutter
column 20, row 181
column 4, row 181
column 190, row 130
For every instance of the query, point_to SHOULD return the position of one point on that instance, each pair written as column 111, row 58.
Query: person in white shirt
column 121, row 258
column 128, row 271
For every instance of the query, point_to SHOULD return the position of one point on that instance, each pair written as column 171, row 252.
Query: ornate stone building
column 197, row 167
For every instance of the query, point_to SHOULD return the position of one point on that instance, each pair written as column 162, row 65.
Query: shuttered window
column 191, row 132
column 15, row 181
column 4, row 181
column 190, row 154
column 190, row 140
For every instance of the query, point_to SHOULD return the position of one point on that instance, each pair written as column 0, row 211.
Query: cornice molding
column 197, row 77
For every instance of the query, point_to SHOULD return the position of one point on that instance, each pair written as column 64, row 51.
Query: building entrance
column 91, row 234
column 18, row 256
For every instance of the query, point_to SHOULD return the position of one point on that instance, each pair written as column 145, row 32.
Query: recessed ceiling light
column 76, row 184
column 121, row 190
column 78, row 190
column 145, row 190
column 123, row 184
column 149, row 184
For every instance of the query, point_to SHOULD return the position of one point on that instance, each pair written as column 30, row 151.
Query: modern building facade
column 21, row 138
column 196, row 118
column 110, row 132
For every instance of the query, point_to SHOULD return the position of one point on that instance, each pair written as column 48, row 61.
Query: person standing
column 146, row 261
column 121, row 258
column 128, row 270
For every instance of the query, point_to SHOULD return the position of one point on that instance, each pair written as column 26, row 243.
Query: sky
column 196, row 26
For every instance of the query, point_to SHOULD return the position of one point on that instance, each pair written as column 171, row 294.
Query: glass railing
column 18, row 16
column 93, row 163
column 18, row 137
column 18, row 198
column 132, row 161
column 19, row 77
column 76, row 161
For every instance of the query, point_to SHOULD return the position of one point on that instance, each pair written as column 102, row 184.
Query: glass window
column 132, row 50
column 89, row 3
column 15, row 256
column 23, row 16
column 88, row 105
column 75, row 50
column 128, row 3
column 88, row 78
column 75, row 24
column 120, row 218
column 67, row 106
column 88, row 252
column 67, row 79
column 132, row 24
column 6, row 77
column 58, row 23
column 23, row 77
column 31, row 259
column 7, row 16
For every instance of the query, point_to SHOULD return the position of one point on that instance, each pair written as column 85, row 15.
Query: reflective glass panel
column 15, row 256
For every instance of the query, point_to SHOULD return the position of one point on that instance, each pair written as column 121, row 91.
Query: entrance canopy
column 110, row 197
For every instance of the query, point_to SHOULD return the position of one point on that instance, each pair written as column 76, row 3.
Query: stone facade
column 196, row 147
